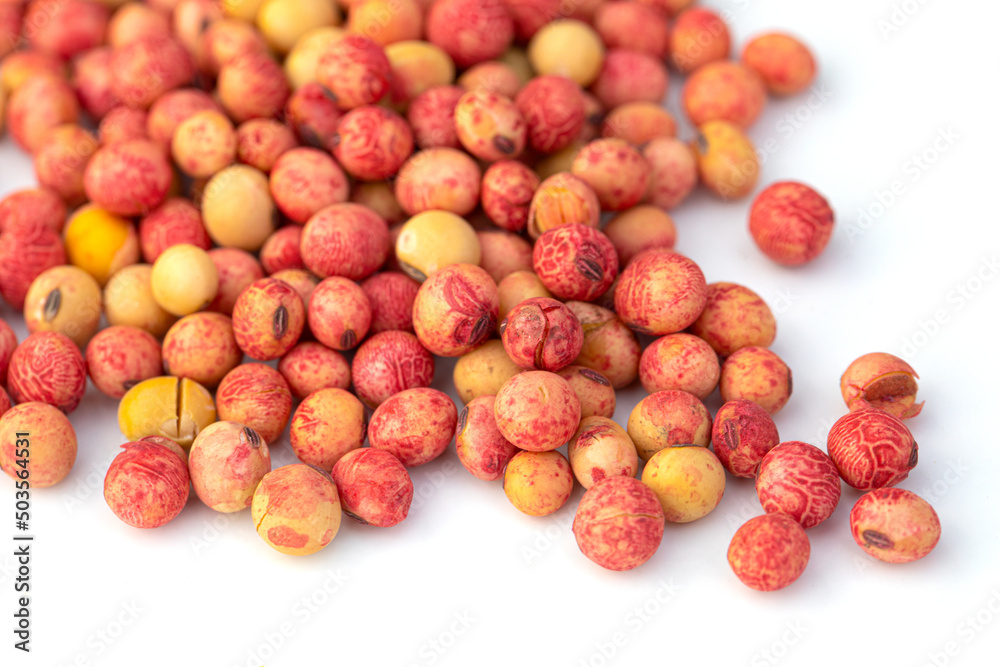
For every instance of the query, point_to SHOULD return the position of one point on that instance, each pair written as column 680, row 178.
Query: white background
column 467, row 572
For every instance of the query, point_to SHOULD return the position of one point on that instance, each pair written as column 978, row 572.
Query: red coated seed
column 507, row 191
column 895, row 525
column 375, row 488
column 431, row 114
column 304, row 181
column 742, row 433
column 47, row 367
column 268, row 319
column 630, row 76
column 660, row 292
column 791, row 223
column 355, row 71
column 575, row 262
column 328, row 424
column 734, row 317
column 470, row 31
column 537, row 411
column 175, row 221
column 311, row 366
column 339, row 313
column 147, row 484
column 619, row 524
column 388, row 363
column 372, row 142
column 679, row 361
column 553, row 109
column 769, row 552
column 800, row 480
column 455, row 309
column 438, row 178
column 726, row 91
column 542, row 334
column 757, row 374
column 872, row 449
column 415, row 425
column 480, row 446
column 257, row 396
column 201, row 347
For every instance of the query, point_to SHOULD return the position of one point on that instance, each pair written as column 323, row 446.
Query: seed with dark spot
column 503, row 144
column 594, row 376
column 730, row 434
column 253, row 438
column 789, row 381
column 481, row 329
column 413, row 272
column 199, row 79
column 503, row 326
column 348, row 340
column 325, row 473
column 52, row 304
column 913, row 457
column 310, row 136
column 702, row 143
column 355, row 517
column 873, row 538
column 590, row 269
column 334, row 142
column 128, row 384
column 462, row 419
column 279, row 323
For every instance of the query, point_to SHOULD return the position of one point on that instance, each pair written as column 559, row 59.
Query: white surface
column 467, row 580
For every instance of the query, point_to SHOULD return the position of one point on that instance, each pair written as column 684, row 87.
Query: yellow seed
column 568, row 48
column 128, row 301
column 300, row 65
column 184, row 279
column 417, row 66
column 283, row 22
column 241, row 9
column 100, row 242
column 175, row 408
column 237, row 208
column 432, row 240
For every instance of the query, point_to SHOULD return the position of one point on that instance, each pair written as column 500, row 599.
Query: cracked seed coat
column 296, row 509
